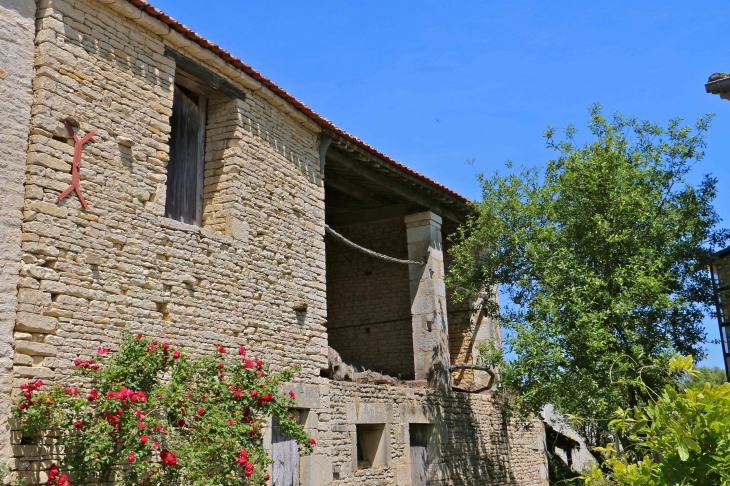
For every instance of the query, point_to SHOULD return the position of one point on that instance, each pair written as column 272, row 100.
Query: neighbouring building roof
column 722, row 253
column 320, row 120
column 718, row 83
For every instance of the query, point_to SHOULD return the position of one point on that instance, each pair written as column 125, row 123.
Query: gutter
column 718, row 87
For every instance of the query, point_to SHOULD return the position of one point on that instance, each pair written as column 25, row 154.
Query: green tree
column 602, row 254
column 705, row 374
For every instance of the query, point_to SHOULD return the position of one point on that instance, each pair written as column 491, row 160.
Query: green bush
column 157, row 416
column 680, row 438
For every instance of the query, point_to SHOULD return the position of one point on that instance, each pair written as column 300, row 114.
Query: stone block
column 93, row 258
column 315, row 470
column 369, row 413
column 307, row 396
column 36, row 323
column 33, row 348
column 45, row 160
column 34, row 297
column 34, row 372
column 49, row 208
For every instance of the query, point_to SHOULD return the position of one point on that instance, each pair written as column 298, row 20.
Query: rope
column 370, row 252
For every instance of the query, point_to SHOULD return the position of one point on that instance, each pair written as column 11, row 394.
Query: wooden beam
column 193, row 69
column 346, row 218
column 388, row 183
column 349, row 188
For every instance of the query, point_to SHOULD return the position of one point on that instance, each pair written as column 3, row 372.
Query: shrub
column 158, row 416
column 681, row 437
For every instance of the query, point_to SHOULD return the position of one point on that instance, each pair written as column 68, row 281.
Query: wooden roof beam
column 388, row 183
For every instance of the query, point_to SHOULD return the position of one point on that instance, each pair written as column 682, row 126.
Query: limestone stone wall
column 469, row 441
column 17, row 31
column 369, row 302
column 87, row 274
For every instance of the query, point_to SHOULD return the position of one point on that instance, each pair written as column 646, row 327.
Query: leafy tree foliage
column 157, row 416
column 602, row 254
column 679, row 437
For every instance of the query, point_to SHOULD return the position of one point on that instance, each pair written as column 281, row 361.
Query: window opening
column 184, row 199
column 371, row 450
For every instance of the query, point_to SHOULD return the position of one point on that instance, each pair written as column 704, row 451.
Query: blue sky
column 434, row 83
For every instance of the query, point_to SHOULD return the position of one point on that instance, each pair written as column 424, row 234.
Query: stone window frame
column 375, row 414
column 193, row 77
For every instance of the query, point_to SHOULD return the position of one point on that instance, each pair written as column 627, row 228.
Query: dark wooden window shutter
column 184, row 200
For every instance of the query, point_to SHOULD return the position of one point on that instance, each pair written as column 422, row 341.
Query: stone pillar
column 428, row 300
column 485, row 331
column 17, row 33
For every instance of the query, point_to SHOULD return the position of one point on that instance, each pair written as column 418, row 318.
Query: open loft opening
column 387, row 318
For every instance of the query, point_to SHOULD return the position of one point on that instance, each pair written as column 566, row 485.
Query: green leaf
column 683, row 452
column 692, row 444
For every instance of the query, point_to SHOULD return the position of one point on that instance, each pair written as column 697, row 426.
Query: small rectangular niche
column 372, row 450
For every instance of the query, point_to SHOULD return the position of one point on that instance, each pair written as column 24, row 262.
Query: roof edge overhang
column 721, row 86
column 722, row 253
column 324, row 123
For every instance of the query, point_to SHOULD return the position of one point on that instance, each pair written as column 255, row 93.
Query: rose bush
column 155, row 415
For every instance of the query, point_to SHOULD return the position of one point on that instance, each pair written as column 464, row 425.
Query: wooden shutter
column 285, row 454
column 184, row 200
column 419, row 457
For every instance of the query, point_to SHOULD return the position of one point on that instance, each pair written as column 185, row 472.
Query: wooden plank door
column 184, row 201
column 285, row 454
column 419, row 454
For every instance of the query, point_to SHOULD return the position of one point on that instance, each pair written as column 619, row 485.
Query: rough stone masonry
column 254, row 268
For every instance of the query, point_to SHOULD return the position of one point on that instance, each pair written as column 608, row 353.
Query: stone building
column 198, row 213
column 719, row 84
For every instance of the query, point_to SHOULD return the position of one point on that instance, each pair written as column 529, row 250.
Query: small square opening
column 371, row 449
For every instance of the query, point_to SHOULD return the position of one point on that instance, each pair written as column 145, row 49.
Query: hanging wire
column 370, row 252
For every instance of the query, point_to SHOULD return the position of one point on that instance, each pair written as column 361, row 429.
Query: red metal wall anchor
column 76, row 167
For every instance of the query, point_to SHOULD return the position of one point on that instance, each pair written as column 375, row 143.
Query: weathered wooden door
column 184, row 200
column 285, row 454
column 419, row 456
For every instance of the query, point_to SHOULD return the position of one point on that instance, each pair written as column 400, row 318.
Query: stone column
column 17, row 33
column 428, row 300
column 485, row 331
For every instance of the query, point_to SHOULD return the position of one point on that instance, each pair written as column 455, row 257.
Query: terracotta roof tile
column 320, row 120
